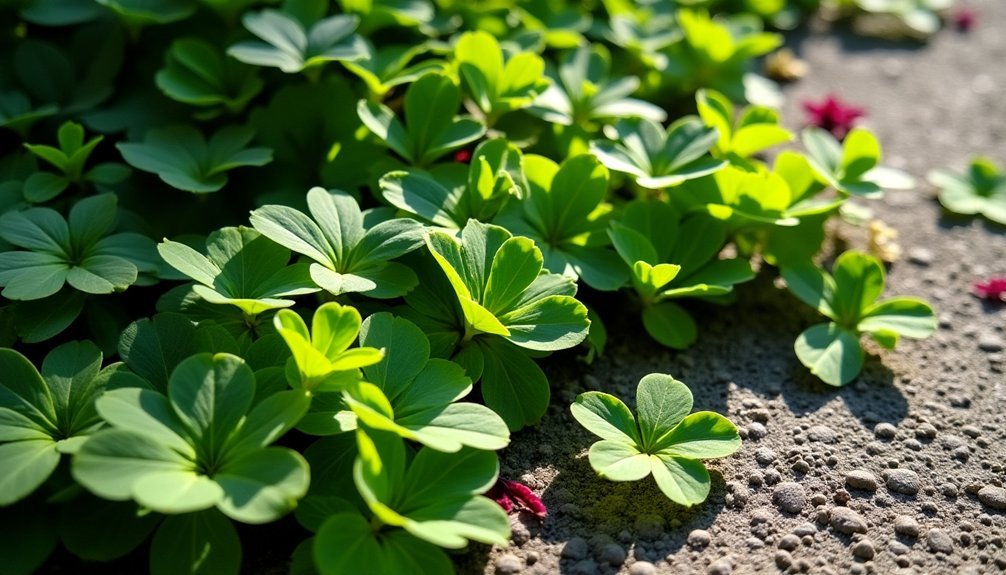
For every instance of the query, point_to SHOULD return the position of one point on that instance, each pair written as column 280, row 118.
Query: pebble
column 822, row 433
column 861, row 479
column 920, row 256
column 585, row 567
column 764, row 456
column 576, row 548
column 612, row 554
column 721, row 567
column 642, row 568
column 903, row 481
column 992, row 496
column 990, row 342
column 949, row 490
column 885, row 431
column 846, row 520
column 805, row 529
column 699, row 538
column 939, row 541
column 926, row 431
column 783, row 559
column 864, row 549
column 757, row 430
column 789, row 542
column 789, row 497
column 906, row 525
column 508, row 564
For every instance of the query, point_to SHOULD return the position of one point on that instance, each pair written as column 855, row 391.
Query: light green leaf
column 683, row 481
column 606, row 416
column 618, row 461
column 830, row 352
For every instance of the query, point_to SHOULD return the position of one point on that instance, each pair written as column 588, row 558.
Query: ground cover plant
column 310, row 258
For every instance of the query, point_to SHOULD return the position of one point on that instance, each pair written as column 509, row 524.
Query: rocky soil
column 901, row 472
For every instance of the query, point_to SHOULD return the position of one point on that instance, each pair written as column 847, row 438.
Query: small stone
column 898, row 548
column 903, row 481
column 920, row 256
column 789, row 542
column 992, row 496
column 939, row 541
column 585, row 567
column 805, row 529
column 822, row 433
column 575, row 548
column 772, row 477
column 757, row 430
column 990, row 343
column 532, row 557
column 699, row 538
column 971, row 431
column 721, row 567
column 642, row 568
column 906, row 525
column 789, row 497
column 926, row 431
column 861, row 479
column 612, row 554
column 783, row 559
column 948, row 490
column 508, row 564
column 864, row 549
column 885, row 431
column 764, row 456
column 846, row 521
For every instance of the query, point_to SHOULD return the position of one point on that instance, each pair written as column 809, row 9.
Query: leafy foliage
column 849, row 298
column 69, row 159
column 292, row 45
column 982, row 190
column 665, row 439
column 196, row 73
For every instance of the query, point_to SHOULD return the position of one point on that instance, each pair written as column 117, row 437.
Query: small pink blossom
column 991, row 289
column 965, row 19
column 463, row 156
column 513, row 496
column 833, row 115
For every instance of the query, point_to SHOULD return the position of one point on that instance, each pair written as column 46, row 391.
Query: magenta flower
column 463, row 156
column 513, row 496
column 965, row 19
column 832, row 115
column 991, row 289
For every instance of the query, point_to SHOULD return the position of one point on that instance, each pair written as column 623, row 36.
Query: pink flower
column 463, row 156
column 832, row 115
column 513, row 496
column 991, row 289
column 965, row 19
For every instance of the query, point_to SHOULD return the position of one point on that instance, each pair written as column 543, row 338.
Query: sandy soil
column 881, row 476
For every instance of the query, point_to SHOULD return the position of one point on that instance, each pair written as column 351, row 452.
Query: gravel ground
column 900, row 472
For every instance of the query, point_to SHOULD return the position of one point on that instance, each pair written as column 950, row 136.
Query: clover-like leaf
column 583, row 92
column 415, row 396
column 431, row 127
column 434, row 496
column 242, row 268
column 658, row 158
column 565, row 214
column 849, row 297
column 183, row 159
column 321, row 358
column 444, row 197
column 982, row 190
column 145, row 12
column 386, row 67
column 756, row 130
column 349, row 257
column 663, row 440
column 496, row 82
column 44, row 415
column 852, row 166
column 201, row 446
column 347, row 543
column 285, row 43
column 80, row 251
column 69, row 159
column 196, row 73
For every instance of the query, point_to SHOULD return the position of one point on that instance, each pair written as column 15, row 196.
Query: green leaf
column 618, row 461
column 910, row 317
column 196, row 73
column 154, row 347
column 287, row 45
column 684, row 481
column 859, row 281
column 98, row 530
column 701, row 435
column 27, row 464
column 184, row 159
column 670, row 325
column 813, row 286
column 662, row 403
column 204, row 543
column 262, row 485
column 605, row 416
column 831, row 353
column 211, row 394
column 513, row 385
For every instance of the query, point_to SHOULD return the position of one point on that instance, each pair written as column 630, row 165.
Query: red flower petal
column 511, row 496
column 965, row 19
column 463, row 156
column 991, row 289
column 832, row 115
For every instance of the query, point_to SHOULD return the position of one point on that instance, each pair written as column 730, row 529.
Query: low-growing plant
column 69, row 159
column 853, row 165
column 664, row 438
column 298, row 42
column 982, row 190
column 754, row 131
column 498, row 84
column 849, row 298
column 197, row 73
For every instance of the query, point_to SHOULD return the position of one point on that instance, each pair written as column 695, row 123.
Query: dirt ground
column 881, row 476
